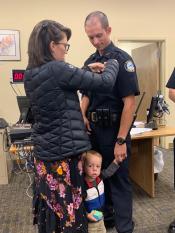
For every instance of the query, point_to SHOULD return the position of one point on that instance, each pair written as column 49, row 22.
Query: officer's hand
column 120, row 152
column 87, row 124
column 96, row 67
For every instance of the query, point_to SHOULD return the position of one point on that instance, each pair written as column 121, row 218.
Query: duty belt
column 103, row 117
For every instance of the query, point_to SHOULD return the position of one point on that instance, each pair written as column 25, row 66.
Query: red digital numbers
column 18, row 75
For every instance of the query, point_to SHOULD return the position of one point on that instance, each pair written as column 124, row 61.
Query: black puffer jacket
column 59, row 131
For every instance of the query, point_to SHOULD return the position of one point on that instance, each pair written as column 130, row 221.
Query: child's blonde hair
column 89, row 154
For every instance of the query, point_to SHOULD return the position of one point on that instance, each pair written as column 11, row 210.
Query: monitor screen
column 151, row 123
column 25, row 110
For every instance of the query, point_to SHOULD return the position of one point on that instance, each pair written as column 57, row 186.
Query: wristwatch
column 120, row 141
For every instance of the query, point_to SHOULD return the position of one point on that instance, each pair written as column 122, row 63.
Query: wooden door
column 147, row 60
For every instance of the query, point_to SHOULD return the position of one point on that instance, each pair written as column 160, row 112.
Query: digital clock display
column 18, row 76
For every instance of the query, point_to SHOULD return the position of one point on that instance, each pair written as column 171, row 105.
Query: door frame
column 161, row 44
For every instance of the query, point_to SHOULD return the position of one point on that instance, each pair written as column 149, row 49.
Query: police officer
column 108, row 117
column 171, row 85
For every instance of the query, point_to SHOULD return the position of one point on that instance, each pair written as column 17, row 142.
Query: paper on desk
column 137, row 123
column 139, row 130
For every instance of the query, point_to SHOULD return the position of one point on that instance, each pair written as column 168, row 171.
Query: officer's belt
column 103, row 116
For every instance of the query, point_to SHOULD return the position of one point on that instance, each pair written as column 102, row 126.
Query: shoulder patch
column 129, row 66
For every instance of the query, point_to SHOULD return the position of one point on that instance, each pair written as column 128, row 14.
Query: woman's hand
column 96, row 67
column 87, row 124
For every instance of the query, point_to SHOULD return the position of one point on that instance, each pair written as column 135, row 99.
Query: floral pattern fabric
column 58, row 191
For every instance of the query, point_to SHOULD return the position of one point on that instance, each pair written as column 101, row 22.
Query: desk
column 141, row 167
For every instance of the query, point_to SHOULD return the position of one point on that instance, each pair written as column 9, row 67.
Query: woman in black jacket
column 59, row 134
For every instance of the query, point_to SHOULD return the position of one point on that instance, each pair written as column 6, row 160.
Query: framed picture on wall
column 9, row 45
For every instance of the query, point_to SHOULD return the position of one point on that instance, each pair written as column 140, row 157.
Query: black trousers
column 118, row 189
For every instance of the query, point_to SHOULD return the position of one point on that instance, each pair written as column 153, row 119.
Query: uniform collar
column 107, row 51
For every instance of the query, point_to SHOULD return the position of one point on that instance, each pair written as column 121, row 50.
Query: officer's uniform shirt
column 126, row 83
column 171, row 81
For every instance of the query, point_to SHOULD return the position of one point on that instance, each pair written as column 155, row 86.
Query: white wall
column 129, row 46
column 135, row 20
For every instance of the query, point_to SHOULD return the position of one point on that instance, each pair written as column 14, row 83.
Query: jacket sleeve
column 110, row 170
column 72, row 78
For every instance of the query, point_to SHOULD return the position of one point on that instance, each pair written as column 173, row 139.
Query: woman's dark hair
column 43, row 33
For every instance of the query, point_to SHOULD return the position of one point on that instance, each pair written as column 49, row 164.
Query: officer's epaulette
column 123, row 55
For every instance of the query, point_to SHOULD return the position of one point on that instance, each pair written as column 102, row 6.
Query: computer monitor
column 151, row 123
column 25, row 110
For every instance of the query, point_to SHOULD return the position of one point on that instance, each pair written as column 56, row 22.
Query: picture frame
column 9, row 45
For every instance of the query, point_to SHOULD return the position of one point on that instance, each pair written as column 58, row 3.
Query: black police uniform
column 104, row 113
column 171, row 81
column 171, row 84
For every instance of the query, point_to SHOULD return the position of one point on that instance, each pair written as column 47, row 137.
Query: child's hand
column 118, row 160
column 90, row 216
column 80, row 166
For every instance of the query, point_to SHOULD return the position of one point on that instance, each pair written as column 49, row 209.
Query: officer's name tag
column 129, row 66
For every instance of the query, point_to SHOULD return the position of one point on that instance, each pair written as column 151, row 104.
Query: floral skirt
column 57, row 201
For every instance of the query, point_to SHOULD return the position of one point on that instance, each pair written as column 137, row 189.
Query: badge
column 129, row 66
column 71, row 66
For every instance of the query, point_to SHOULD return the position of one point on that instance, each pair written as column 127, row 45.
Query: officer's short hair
column 100, row 15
